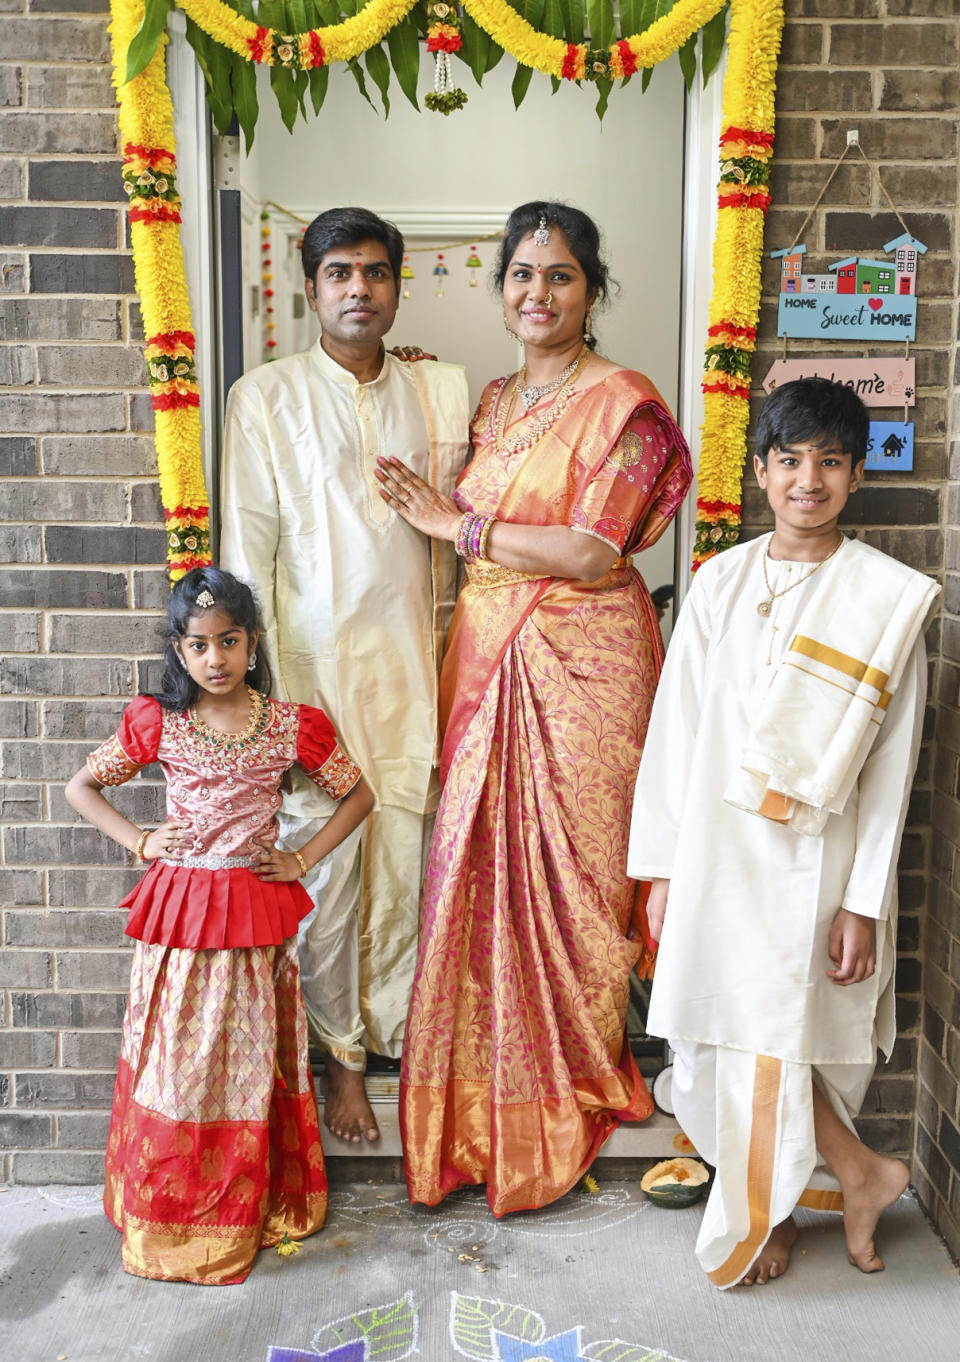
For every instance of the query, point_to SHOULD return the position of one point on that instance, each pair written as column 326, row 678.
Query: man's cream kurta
column 347, row 591
column 741, row 990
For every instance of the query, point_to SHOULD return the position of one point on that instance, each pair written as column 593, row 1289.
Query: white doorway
column 471, row 168
column 449, row 182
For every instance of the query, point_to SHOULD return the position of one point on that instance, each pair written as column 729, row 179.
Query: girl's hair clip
column 205, row 600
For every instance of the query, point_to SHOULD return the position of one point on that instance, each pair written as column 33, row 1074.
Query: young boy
column 768, row 814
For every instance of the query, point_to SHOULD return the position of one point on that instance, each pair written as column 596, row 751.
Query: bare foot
column 347, row 1112
column 863, row 1205
column 774, row 1258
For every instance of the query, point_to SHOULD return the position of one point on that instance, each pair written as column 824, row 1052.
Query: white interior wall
column 444, row 179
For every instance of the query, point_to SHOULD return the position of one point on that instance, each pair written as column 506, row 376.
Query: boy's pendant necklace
column 766, row 606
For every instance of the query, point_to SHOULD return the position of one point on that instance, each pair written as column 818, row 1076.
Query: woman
column 515, row 1062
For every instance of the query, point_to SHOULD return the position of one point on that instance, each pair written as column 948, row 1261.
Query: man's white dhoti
column 355, row 602
column 741, row 990
column 356, row 979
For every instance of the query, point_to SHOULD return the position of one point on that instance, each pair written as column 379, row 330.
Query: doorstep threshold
column 655, row 1138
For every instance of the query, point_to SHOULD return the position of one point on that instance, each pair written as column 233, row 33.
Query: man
column 355, row 605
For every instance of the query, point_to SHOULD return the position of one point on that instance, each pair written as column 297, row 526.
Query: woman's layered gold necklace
column 540, row 424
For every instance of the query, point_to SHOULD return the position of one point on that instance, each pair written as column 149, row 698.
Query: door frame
column 202, row 171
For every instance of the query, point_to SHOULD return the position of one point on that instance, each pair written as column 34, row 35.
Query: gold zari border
column 843, row 662
column 763, row 1143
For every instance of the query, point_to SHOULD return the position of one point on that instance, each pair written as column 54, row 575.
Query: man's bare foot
column 863, row 1206
column 347, row 1112
column 774, row 1258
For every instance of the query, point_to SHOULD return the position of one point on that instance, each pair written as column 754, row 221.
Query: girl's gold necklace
column 218, row 739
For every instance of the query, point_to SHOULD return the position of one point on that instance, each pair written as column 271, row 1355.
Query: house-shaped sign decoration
column 890, row 446
column 859, row 298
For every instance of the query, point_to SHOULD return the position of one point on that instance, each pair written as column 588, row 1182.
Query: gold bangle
column 303, row 864
column 484, row 536
column 141, row 844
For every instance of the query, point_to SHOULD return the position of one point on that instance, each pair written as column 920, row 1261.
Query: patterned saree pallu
column 214, row 1148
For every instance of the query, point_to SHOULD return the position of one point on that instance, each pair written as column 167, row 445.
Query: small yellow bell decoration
column 406, row 272
column 473, row 263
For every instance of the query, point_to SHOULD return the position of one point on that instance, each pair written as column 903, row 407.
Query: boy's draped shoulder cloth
column 826, row 701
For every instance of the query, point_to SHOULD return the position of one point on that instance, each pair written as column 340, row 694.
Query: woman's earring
column 252, row 663
column 588, row 325
column 507, row 327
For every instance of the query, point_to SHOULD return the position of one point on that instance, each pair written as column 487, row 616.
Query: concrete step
column 655, row 1138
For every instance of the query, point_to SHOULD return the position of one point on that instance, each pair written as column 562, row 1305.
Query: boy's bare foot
column 347, row 1112
column 863, row 1206
column 774, row 1258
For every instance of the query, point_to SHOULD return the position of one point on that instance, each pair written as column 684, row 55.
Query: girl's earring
column 588, row 325
column 252, row 663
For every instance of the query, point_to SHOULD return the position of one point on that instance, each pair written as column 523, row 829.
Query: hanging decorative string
column 266, row 274
column 443, row 39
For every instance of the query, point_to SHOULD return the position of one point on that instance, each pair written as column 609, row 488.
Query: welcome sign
column 847, row 316
column 877, row 382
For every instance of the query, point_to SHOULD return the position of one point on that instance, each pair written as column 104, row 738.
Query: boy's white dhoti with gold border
column 741, row 989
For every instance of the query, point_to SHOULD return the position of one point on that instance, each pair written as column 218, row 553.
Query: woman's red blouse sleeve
column 133, row 746
column 641, row 483
column 321, row 756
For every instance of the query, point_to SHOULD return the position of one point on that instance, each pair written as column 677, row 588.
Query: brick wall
column 81, row 524
column 80, row 546
column 937, row 1162
column 866, row 64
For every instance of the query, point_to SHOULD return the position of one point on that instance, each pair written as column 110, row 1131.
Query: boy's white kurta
column 352, row 600
column 741, row 990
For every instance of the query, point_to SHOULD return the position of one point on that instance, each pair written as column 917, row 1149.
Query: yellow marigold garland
column 300, row 51
column 577, row 61
column 553, row 56
column 146, row 132
column 146, row 125
column 746, row 147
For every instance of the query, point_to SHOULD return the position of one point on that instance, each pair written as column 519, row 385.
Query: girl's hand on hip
column 170, row 839
column 416, row 501
column 275, row 865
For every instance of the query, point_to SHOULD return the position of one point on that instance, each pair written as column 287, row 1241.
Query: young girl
column 214, row 1149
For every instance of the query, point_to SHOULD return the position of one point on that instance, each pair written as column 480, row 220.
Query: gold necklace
column 540, row 424
column 766, row 606
column 216, row 736
column 531, row 393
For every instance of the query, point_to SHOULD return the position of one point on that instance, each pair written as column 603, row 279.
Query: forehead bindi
column 218, row 624
column 361, row 255
column 830, row 450
column 539, row 267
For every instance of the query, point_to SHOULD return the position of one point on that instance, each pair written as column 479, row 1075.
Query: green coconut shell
column 675, row 1182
